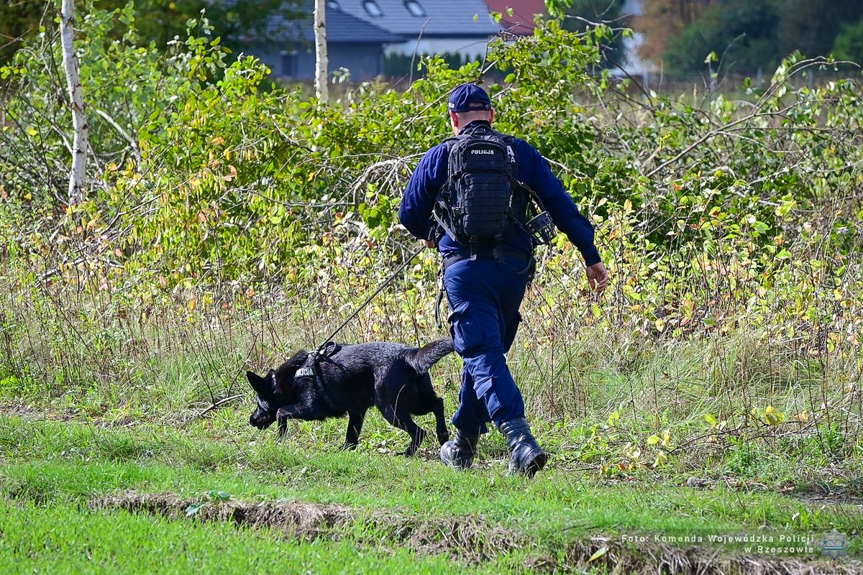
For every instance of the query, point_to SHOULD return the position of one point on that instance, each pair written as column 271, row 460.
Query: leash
column 328, row 340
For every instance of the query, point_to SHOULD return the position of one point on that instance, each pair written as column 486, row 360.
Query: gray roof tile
column 352, row 23
column 343, row 27
column 444, row 18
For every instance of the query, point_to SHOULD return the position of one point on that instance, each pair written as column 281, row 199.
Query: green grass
column 65, row 538
column 54, row 471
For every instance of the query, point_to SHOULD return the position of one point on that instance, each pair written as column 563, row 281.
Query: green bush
column 230, row 220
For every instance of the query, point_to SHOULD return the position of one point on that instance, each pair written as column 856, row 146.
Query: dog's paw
column 349, row 446
column 443, row 437
column 415, row 442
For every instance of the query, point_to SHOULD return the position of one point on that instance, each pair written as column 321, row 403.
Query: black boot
column 527, row 456
column 458, row 452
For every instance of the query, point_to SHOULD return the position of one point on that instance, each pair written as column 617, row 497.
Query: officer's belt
column 483, row 252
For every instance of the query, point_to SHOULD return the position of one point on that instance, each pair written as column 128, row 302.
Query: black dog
column 349, row 379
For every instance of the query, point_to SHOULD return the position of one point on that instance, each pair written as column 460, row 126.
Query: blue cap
column 468, row 97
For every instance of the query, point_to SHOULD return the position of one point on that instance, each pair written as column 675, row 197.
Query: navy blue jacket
column 415, row 211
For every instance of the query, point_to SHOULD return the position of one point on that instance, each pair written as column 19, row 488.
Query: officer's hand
column 430, row 243
column 597, row 277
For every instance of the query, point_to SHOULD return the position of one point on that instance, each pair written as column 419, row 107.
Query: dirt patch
column 659, row 559
column 471, row 539
column 305, row 520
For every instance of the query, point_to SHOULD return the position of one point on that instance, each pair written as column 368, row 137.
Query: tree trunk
column 321, row 61
column 76, row 103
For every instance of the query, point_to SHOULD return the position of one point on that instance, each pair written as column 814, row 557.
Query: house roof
column 522, row 20
column 347, row 28
column 342, row 28
column 440, row 18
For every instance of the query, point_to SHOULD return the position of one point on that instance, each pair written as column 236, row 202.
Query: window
column 372, row 8
column 414, row 8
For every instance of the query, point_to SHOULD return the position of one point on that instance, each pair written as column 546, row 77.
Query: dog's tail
column 424, row 357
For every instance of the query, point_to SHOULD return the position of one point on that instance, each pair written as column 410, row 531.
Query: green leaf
column 630, row 292
column 599, row 553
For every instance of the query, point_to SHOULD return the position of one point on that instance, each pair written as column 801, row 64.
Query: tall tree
column 321, row 60
column 741, row 33
column 661, row 20
column 812, row 26
column 849, row 42
column 749, row 36
column 76, row 103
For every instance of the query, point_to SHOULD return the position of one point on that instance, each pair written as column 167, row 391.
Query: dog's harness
column 311, row 369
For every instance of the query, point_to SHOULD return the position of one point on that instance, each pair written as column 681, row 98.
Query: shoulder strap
column 439, row 203
column 441, row 208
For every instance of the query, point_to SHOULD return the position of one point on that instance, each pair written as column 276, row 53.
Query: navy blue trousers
column 484, row 298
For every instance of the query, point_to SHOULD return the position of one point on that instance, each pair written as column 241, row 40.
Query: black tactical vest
column 480, row 203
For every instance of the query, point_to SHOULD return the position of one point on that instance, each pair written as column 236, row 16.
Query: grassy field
column 115, row 494
column 704, row 414
column 125, row 447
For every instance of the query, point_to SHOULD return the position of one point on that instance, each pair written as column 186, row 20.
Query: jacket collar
column 474, row 124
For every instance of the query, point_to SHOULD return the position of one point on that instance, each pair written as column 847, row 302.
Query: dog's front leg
column 355, row 425
column 282, row 417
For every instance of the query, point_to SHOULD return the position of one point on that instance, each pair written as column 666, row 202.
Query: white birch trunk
column 76, row 103
column 321, row 60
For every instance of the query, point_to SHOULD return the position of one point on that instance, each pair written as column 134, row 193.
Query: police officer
column 485, row 290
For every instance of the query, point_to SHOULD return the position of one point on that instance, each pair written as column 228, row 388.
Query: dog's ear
column 261, row 385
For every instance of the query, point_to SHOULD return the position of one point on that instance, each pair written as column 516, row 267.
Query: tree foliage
column 849, row 42
column 749, row 36
column 744, row 33
column 209, row 178
column 811, row 26
column 19, row 21
column 583, row 15
column 240, row 23
column 663, row 20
